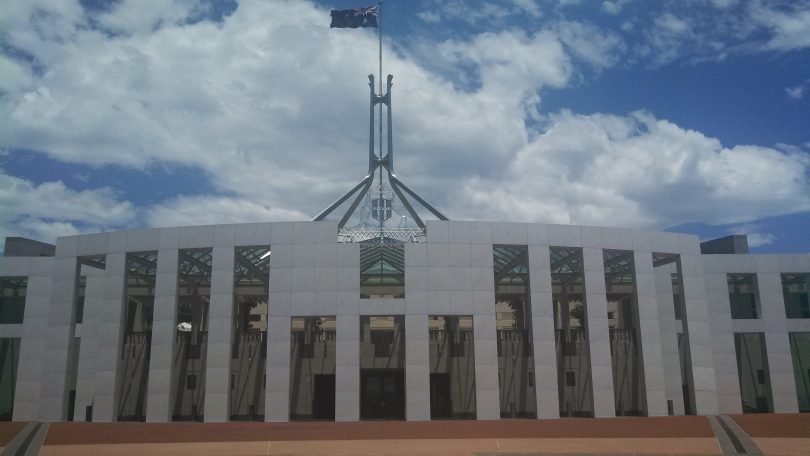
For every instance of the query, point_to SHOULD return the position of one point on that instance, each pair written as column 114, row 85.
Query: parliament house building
column 471, row 320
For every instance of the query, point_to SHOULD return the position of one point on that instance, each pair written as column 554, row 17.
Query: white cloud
column 431, row 17
column 143, row 16
column 790, row 29
column 672, row 24
column 795, row 93
column 530, row 7
column 760, row 239
column 50, row 209
column 723, row 4
column 639, row 171
column 599, row 48
column 614, row 7
column 210, row 210
column 472, row 13
column 16, row 77
column 756, row 237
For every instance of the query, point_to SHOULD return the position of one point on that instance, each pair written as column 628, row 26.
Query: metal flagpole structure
column 380, row 93
column 381, row 202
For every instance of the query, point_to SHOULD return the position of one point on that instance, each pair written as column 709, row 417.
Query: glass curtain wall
column 12, row 300
column 743, row 295
column 249, row 349
column 312, row 368
column 571, row 332
column 191, row 339
column 452, row 367
column 135, row 353
column 625, row 350
column 800, row 351
column 513, row 316
column 752, row 369
column 382, row 367
column 12, row 310
column 796, row 290
column 382, row 268
column 9, row 360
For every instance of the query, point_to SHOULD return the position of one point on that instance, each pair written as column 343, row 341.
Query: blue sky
column 689, row 116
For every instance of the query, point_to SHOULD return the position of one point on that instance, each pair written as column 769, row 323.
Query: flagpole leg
column 379, row 36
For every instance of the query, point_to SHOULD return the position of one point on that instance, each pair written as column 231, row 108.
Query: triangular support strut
column 379, row 163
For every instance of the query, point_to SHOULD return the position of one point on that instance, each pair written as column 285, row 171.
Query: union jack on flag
column 354, row 18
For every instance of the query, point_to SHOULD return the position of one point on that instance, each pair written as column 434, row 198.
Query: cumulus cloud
column 274, row 113
column 640, row 171
column 50, row 209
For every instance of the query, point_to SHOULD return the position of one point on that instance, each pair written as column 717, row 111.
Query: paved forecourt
column 783, row 434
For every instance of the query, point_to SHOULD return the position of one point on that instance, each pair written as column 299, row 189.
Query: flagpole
column 379, row 36
column 379, row 81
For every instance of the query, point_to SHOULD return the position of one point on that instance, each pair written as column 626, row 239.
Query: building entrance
column 382, row 394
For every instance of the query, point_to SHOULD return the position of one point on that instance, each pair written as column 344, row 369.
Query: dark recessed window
column 570, row 378
column 743, row 295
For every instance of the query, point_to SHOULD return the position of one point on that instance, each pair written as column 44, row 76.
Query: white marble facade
column 451, row 273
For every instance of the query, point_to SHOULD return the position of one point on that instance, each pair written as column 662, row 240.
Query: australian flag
column 353, row 18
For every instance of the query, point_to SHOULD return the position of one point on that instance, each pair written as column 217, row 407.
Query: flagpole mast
column 379, row 37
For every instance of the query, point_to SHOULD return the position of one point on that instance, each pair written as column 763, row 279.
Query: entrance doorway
column 382, row 394
column 323, row 404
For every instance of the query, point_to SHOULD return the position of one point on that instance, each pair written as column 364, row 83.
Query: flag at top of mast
column 354, row 18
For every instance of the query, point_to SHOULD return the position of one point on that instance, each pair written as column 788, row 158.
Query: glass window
column 137, row 346
column 514, row 331
column 622, row 303
column 382, row 367
column 249, row 345
column 752, row 369
column 191, row 340
column 571, row 332
column 12, row 299
column 452, row 367
column 9, row 361
column 312, row 368
column 800, row 351
column 382, row 268
column 677, row 302
column 82, row 287
column 743, row 295
column 796, row 291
